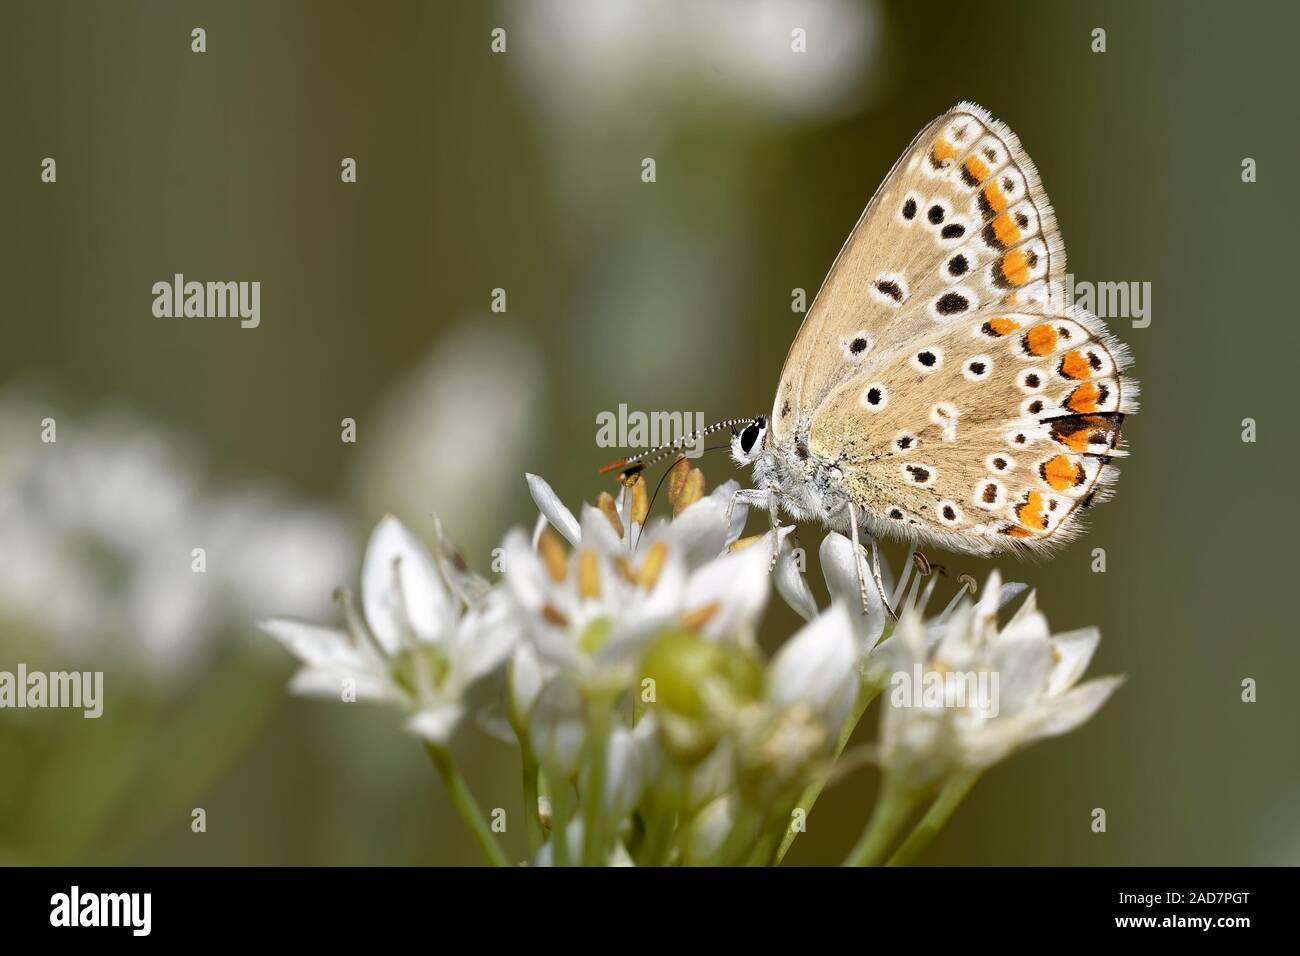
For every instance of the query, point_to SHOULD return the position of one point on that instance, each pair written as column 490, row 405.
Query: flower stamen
column 648, row 574
column 694, row 620
column 588, row 574
column 551, row 549
column 607, row 507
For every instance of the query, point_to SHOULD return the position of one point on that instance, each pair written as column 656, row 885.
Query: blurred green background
column 521, row 171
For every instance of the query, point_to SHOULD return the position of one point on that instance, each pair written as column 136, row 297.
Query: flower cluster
column 651, row 728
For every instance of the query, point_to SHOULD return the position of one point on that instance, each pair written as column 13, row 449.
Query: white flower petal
column 319, row 646
column 525, row 575
column 818, row 666
column 484, row 639
column 556, row 728
column 793, row 586
column 331, row 685
column 1071, row 655
column 400, row 584
column 436, row 723
column 1009, row 592
column 598, row 533
column 842, row 581
column 1075, row 706
column 1022, row 665
column 700, row 532
column 725, row 494
column 526, row 676
column 737, row 583
column 549, row 504
column 624, row 773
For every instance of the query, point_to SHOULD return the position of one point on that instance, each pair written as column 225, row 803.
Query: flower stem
column 593, row 798
column 893, row 808
column 950, row 797
column 866, row 694
column 465, row 804
column 536, row 836
column 561, row 813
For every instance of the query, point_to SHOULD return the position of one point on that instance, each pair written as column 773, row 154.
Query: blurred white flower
column 419, row 645
column 597, row 55
column 924, row 738
column 99, row 560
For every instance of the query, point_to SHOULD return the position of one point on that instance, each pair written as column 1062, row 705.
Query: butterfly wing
column 991, row 432
column 961, row 222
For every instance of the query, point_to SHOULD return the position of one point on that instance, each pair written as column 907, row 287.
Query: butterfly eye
column 748, row 437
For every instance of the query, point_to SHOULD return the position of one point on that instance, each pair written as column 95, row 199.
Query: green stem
column 739, row 843
column 893, row 808
column 465, row 804
column 950, row 797
column 536, row 836
column 866, row 694
column 593, row 799
column 561, row 813
column 661, row 819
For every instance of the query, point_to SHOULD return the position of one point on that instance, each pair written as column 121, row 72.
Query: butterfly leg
column 771, row 500
column 875, row 566
column 750, row 496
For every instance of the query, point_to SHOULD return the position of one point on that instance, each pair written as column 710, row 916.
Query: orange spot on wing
column 1084, row 399
column 1030, row 514
column 1074, row 365
column 944, row 150
column 977, row 169
column 1006, row 230
column 1015, row 266
column 1001, row 325
column 1062, row 473
column 1017, row 533
column 1076, row 440
column 1041, row 339
column 996, row 198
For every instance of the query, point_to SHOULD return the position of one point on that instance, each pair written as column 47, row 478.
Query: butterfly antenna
column 659, row 484
column 629, row 468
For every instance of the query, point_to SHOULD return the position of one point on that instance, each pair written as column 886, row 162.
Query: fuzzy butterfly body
column 940, row 390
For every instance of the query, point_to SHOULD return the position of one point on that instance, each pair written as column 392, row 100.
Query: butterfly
column 941, row 390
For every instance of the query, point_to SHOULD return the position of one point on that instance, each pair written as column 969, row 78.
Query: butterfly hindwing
column 961, row 223
column 989, row 432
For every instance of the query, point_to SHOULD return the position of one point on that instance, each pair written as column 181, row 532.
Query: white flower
column 819, row 668
column 810, row 687
column 593, row 55
column 420, row 644
column 700, row 531
column 118, row 544
column 1034, row 675
column 591, row 611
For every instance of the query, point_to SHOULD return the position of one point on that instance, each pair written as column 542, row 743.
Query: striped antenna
column 629, row 468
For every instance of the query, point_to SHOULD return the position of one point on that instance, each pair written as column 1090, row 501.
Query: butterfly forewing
column 961, row 222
